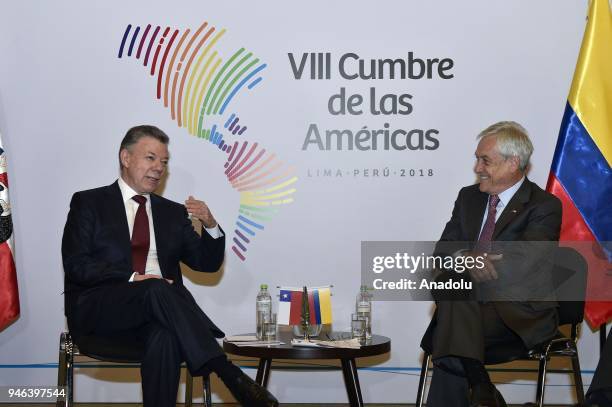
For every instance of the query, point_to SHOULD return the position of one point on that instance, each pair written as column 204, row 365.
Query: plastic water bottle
column 363, row 307
column 263, row 309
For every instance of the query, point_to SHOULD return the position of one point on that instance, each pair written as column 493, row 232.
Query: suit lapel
column 514, row 208
column 116, row 207
column 477, row 205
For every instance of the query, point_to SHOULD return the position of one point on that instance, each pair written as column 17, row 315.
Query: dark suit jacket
column 96, row 247
column 531, row 216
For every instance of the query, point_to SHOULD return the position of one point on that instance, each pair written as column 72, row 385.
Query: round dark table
column 265, row 353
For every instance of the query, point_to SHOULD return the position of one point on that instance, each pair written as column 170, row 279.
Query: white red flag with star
column 9, row 296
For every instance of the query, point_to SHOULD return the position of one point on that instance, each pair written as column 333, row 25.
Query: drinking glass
column 269, row 327
column 358, row 326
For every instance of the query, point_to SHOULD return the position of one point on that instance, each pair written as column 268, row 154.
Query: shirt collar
column 127, row 192
column 506, row 196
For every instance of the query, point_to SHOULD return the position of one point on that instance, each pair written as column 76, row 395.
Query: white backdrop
column 66, row 100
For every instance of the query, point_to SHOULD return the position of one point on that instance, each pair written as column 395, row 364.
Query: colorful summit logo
column 198, row 85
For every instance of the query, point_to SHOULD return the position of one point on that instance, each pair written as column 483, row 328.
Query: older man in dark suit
column 503, row 207
column 121, row 250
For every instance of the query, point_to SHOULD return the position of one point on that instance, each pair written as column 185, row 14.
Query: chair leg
column 207, row 393
column 541, row 381
column 578, row 379
column 69, row 346
column 423, row 380
column 62, row 371
column 188, row 388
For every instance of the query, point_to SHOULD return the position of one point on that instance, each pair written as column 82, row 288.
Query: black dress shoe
column 250, row 394
column 486, row 395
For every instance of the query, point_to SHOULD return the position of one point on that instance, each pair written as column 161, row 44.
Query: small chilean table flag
column 9, row 297
column 580, row 174
column 290, row 305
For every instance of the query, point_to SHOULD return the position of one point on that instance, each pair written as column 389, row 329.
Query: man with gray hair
column 503, row 206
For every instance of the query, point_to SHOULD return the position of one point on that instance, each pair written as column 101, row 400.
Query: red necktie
column 140, row 236
column 484, row 241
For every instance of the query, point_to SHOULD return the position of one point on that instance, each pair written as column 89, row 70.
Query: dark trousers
column 165, row 318
column 461, row 329
column 602, row 379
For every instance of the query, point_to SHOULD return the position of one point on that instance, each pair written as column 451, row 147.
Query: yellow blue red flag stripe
column 580, row 174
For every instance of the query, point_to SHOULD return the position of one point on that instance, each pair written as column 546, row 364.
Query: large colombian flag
column 580, row 174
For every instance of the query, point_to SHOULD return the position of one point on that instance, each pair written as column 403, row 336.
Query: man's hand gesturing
column 200, row 210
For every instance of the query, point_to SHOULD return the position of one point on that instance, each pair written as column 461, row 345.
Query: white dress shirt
column 504, row 199
column 131, row 206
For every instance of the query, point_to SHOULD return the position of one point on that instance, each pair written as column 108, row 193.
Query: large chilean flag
column 580, row 174
column 9, row 297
